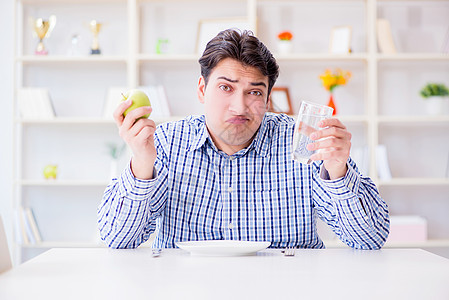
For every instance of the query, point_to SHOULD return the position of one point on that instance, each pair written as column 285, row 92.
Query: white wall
column 6, row 99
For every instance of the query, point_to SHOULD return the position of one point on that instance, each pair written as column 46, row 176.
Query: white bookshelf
column 369, row 105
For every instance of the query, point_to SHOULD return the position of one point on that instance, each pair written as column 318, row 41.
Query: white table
column 319, row 274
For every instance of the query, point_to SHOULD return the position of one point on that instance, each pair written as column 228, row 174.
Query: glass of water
column 307, row 123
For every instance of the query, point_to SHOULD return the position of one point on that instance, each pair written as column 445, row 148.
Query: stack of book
column 27, row 231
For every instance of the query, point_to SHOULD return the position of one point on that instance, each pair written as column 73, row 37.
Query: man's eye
column 225, row 88
column 256, row 93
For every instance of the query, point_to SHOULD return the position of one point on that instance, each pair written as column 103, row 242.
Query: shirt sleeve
column 130, row 206
column 353, row 208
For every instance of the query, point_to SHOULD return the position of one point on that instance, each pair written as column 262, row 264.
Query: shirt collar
column 201, row 134
column 260, row 143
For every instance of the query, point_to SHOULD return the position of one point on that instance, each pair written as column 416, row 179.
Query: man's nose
column 238, row 104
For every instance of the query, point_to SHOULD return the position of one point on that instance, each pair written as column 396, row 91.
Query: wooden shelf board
column 85, row 121
column 59, row 182
column 414, row 182
column 31, row 59
column 412, row 120
column 413, row 57
column 433, row 243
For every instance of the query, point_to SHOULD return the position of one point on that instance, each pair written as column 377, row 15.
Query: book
column 385, row 37
column 361, row 157
column 27, row 225
column 32, row 222
column 113, row 99
column 35, row 103
column 22, row 227
column 445, row 47
column 407, row 229
column 158, row 99
column 383, row 168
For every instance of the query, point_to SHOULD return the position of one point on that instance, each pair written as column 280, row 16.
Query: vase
column 285, row 46
column 436, row 105
column 331, row 103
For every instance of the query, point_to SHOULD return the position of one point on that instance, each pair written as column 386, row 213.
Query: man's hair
column 243, row 47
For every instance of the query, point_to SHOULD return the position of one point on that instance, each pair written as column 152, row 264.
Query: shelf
column 38, row 2
column 352, row 119
column 59, row 183
column 64, row 245
column 425, row 244
column 412, row 120
column 414, row 182
column 168, row 57
column 346, row 119
column 329, row 244
column 60, row 244
column 413, row 57
column 86, row 121
column 31, row 59
column 377, row 79
column 66, row 120
column 321, row 57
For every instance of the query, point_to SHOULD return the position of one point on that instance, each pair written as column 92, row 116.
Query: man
column 229, row 174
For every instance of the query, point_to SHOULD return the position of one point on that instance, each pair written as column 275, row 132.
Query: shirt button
column 231, row 158
column 230, row 189
column 230, row 226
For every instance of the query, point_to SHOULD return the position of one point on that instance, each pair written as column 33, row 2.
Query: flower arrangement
column 331, row 80
column 434, row 89
column 285, row 36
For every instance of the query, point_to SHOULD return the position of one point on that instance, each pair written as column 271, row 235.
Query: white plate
column 222, row 247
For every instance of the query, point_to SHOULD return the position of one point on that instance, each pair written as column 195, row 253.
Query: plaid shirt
column 256, row 194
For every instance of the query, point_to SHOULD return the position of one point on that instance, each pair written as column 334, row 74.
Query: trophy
column 95, row 28
column 43, row 28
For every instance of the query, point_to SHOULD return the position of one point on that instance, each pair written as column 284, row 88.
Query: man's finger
column 118, row 112
column 331, row 122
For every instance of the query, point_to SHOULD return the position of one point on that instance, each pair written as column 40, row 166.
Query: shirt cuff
column 342, row 188
column 133, row 188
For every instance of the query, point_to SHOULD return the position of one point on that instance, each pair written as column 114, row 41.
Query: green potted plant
column 436, row 96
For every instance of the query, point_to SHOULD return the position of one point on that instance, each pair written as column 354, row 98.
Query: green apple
column 139, row 99
column 50, row 171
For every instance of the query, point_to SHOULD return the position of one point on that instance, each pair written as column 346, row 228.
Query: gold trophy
column 43, row 28
column 95, row 28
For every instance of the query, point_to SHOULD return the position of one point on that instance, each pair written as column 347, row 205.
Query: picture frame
column 280, row 101
column 209, row 28
column 340, row 41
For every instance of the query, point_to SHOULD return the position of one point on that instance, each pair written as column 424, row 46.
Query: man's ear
column 201, row 89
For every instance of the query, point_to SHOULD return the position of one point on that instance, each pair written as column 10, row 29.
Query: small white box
column 407, row 229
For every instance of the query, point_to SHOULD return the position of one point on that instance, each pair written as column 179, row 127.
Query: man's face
column 235, row 100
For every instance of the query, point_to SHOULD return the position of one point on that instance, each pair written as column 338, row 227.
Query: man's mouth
column 237, row 120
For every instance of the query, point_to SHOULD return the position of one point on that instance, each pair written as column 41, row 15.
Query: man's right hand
column 139, row 136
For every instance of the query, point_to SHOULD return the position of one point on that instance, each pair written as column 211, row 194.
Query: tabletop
column 101, row 273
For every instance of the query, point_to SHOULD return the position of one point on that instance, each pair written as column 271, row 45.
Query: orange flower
column 332, row 80
column 285, row 36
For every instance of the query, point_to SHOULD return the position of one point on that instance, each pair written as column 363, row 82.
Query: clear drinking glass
column 307, row 123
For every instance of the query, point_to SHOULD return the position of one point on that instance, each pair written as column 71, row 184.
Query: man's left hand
column 333, row 144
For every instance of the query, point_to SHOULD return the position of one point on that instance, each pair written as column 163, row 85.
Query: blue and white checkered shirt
column 256, row 194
